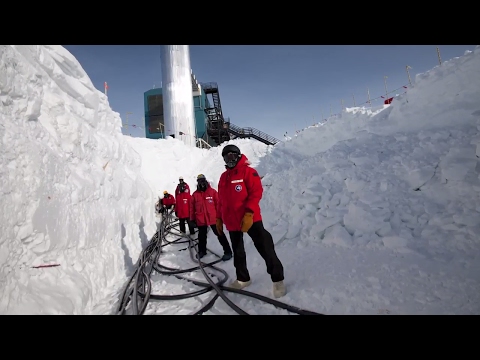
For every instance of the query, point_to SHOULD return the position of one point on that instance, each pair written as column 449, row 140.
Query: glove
column 247, row 221
column 219, row 226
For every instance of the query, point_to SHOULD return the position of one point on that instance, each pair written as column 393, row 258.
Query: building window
column 155, row 124
column 155, row 112
column 155, row 104
column 197, row 102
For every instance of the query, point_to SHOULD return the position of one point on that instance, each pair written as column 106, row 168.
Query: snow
column 375, row 211
column 69, row 185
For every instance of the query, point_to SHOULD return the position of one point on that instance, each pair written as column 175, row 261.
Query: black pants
column 202, row 239
column 263, row 242
column 182, row 225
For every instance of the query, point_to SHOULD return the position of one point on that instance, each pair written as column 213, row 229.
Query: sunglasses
column 230, row 156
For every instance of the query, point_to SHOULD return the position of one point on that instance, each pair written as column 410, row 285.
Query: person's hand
column 247, row 221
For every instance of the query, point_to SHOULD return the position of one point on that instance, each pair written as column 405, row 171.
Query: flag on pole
column 106, row 87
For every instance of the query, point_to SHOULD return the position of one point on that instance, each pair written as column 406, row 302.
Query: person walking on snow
column 203, row 211
column 239, row 192
column 182, row 208
column 167, row 203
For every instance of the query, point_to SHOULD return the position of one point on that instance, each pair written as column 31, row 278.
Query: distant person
column 203, row 211
column 182, row 205
column 239, row 192
column 167, row 203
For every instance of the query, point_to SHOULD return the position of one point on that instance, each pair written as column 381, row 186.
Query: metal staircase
column 221, row 130
column 216, row 127
column 249, row 132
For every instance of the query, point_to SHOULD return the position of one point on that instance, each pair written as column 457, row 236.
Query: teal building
column 154, row 117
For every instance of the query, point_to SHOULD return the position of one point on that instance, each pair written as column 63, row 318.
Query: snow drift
column 407, row 174
column 164, row 161
column 70, row 190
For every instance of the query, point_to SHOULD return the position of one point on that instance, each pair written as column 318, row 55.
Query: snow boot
column 237, row 284
column 226, row 256
column 279, row 289
column 201, row 255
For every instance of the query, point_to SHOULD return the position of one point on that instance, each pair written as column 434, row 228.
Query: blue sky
column 274, row 88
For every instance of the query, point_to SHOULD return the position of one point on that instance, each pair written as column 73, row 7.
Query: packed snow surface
column 375, row 211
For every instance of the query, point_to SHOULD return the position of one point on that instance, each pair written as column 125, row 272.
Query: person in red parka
column 182, row 207
column 203, row 211
column 167, row 203
column 240, row 190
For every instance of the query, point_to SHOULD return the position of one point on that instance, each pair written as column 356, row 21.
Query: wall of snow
column 406, row 178
column 71, row 193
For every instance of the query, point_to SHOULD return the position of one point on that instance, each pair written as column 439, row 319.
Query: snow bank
column 71, row 193
column 405, row 177
column 446, row 96
column 165, row 160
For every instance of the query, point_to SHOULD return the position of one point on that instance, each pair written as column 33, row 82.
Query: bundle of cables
column 138, row 290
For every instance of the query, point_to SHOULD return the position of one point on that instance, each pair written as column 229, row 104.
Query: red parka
column 183, row 202
column 239, row 190
column 170, row 200
column 203, row 206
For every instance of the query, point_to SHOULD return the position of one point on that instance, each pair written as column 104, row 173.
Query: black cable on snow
column 137, row 292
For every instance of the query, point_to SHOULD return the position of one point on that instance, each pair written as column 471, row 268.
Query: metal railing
column 202, row 144
column 249, row 131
